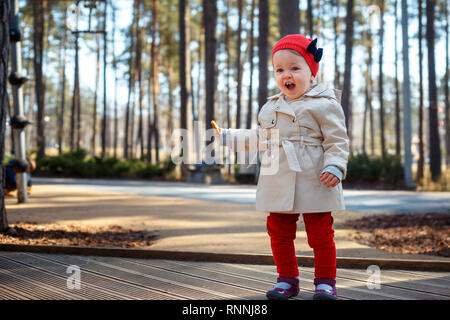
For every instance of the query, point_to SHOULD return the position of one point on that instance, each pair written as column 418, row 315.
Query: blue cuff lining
column 334, row 170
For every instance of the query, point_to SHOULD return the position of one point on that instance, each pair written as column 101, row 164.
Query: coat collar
column 316, row 90
column 280, row 105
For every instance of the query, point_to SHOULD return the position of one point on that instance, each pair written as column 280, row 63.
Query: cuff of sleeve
column 334, row 170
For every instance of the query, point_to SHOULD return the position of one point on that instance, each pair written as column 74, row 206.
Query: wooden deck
column 32, row 276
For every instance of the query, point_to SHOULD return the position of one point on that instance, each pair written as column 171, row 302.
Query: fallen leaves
column 405, row 233
column 72, row 235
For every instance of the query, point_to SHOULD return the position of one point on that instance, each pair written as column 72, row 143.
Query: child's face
column 292, row 73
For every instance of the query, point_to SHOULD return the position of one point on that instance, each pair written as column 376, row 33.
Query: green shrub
column 76, row 164
column 243, row 178
column 66, row 164
column 105, row 167
column 372, row 169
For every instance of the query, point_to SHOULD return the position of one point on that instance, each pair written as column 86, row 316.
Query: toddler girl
column 302, row 131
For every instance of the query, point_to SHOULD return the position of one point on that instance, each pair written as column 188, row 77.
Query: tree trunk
column 127, row 109
column 210, row 20
column 169, row 126
column 336, row 21
column 368, row 94
column 380, row 80
column 446, row 91
column 77, row 94
column 38, row 40
column 138, row 62
column 434, row 144
column 263, row 53
column 346, row 93
column 155, row 73
column 76, row 91
column 105, row 101
column 407, row 173
column 149, row 104
column 185, row 77
column 132, row 150
column 238, row 67
column 64, row 44
column 126, row 140
column 364, row 127
column 228, row 90
column 421, row 162
column 94, row 109
column 309, row 11
column 397, row 91
column 4, row 59
column 250, row 88
column 289, row 18
column 114, row 63
column 228, row 61
column 199, row 114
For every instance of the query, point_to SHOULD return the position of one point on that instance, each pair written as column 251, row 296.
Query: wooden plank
column 105, row 281
column 408, row 281
column 58, row 272
column 306, row 281
column 268, row 275
column 222, row 288
column 43, row 276
column 444, row 277
column 258, row 286
column 403, row 289
column 98, row 286
column 11, row 293
column 32, row 283
column 125, row 273
column 347, row 288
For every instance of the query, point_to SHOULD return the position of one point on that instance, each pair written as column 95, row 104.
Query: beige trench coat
column 299, row 139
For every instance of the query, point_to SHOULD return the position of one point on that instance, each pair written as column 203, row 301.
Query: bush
column 243, row 178
column 76, row 164
column 373, row 169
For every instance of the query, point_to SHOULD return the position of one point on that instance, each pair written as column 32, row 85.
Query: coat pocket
column 312, row 157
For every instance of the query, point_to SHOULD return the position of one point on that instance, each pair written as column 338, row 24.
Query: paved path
column 368, row 201
column 32, row 276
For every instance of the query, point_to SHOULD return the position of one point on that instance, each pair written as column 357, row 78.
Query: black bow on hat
column 317, row 53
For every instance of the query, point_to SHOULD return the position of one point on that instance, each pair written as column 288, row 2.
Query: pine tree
column 4, row 59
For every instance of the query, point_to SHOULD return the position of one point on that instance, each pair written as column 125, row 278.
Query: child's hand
column 217, row 129
column 329, row 180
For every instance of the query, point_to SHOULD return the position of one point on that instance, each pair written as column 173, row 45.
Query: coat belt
column 288, row 146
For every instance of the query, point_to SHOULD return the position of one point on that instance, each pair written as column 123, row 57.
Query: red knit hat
column 305, row 46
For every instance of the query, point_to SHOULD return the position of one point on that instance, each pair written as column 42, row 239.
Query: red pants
column 282, row 230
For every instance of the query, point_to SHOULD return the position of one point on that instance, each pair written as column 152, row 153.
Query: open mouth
column 290, row 86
